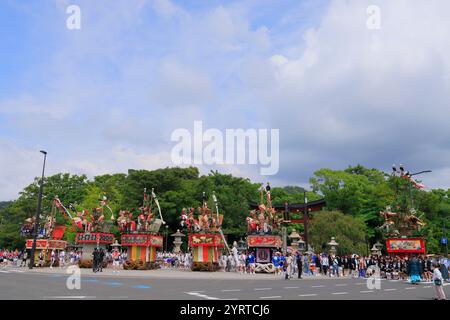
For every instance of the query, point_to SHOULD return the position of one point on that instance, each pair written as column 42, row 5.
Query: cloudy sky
column 107, row 97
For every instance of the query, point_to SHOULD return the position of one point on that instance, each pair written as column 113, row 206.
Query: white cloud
column 339, row 93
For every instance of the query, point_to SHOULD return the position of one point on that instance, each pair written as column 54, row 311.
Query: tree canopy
column 354, row 198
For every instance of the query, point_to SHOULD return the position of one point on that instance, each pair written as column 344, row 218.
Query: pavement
column 51, row 284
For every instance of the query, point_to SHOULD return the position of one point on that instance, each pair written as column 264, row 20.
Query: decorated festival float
column 206, row 239
column 93, row 231
column 141, row 239
column 49, row 236
column 403, row 225
column 267, row 226
column 264, row 233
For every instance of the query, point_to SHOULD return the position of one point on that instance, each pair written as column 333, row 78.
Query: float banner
column 44, row 244
column 143, row 240
column 205, row 240
column 405, row 245
column 96, row 237
column 264, row 241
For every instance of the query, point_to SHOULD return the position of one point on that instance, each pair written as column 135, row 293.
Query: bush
column 205, row 266
column 139, row 265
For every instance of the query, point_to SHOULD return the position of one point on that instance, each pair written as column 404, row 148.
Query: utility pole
column 305, row 220
column 38, row 213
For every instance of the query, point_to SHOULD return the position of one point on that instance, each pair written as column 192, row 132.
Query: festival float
column 49, row 236
column 403, row 225
column 142, row 238
column 93, row 231
column 264, row 232
column 206, row 239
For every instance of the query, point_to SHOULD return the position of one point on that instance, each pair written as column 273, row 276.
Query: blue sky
column 107, row 97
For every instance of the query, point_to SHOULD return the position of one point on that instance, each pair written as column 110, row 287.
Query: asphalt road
column 22, row 284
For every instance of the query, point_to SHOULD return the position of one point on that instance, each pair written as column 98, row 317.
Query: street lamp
column 167, row 235
column 305, row 218
column 38, row 213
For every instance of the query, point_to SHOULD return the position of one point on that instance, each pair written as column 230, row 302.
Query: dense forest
column 354, row 197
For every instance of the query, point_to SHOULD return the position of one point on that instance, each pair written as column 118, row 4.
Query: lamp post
column 38, row 213
column 305, row 219
column 167, row 235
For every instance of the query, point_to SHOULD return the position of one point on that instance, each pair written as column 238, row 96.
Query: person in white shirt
column 62, row 257
column 53, row 258
column 438, row 280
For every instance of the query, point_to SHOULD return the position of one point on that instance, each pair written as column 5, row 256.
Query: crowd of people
column 388, row 267
column 170, row 260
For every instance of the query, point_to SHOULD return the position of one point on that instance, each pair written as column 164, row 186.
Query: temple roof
column 312, row 206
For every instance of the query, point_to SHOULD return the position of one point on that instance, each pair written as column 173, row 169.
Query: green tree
column 350, row 232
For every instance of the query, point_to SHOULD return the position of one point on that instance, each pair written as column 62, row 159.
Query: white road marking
column 2, row 271
column 410, row 288
column 230, row 290
column 341, row 285
column 271, row 297
column 317, row 286
column 201, row 295
column 308, row 295
column 291, row 287
column 390, row 289
column 366, row 291
column 259, row 289
column 69, row 297
column 340, row 293
column 427, row 287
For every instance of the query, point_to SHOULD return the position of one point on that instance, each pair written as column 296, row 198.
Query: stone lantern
column 333, row 244
column 376, row 249
column 241, row 245
column 294, row 237
column 178, row 240
column 301, row 245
